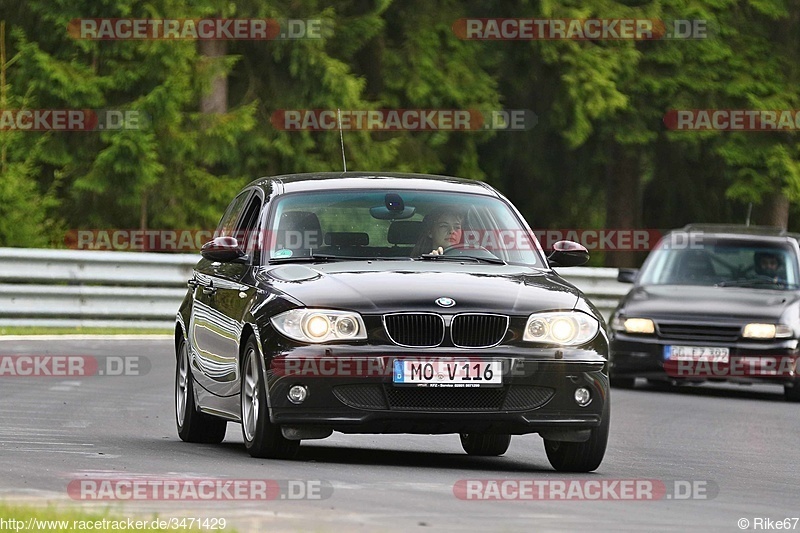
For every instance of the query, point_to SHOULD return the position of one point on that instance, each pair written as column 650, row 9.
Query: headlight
column 320, row 325
column 642, row 326
column 767, row 331
column 565, row 328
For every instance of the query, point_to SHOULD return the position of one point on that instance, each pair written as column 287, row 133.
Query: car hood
column 387, row 286
column 663, row 301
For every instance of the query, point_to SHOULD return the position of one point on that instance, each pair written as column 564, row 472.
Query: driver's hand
column 438, row 251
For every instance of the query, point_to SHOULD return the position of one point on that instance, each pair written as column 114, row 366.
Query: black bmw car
column 388, row 303
column 712, row 303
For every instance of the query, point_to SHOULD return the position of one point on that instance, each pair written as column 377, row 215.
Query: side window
column 227, row 226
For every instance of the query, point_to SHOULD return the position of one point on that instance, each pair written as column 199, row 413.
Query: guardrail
column 69, row 288
column 599, row 284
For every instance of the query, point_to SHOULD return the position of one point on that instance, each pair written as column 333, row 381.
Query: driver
column 768, row 264
column 442, row 231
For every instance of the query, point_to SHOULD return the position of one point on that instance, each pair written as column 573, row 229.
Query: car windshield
column 722, row 263
column 398, row 224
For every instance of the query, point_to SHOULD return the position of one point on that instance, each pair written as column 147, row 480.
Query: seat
column 403, row 235
column 347, row 244
column 695, row 266
column 404, row 232
column 346, row 238
column 300, row 232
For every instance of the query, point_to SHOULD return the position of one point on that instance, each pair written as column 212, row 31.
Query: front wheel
column 193, row 425
column 485, row 444
column 581, row 456
column 262, row 438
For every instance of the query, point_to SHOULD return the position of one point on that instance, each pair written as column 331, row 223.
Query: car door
column 220, row 300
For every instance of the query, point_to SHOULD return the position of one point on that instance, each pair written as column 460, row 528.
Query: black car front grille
column 368, row 396
column 511, row 398
column 425, row 330
column 478, row 331
column 699, row 332
column 445, row 399
column 419, row 330
column 524, row 398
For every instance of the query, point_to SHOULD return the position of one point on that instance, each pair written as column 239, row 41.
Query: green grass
column 37, row 330
column 73, row 520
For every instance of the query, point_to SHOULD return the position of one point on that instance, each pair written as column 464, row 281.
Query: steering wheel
column 472, row 250
column 773, row 279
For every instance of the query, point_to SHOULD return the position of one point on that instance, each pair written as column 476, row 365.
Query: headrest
column 346, row 238
column 299, row 230
column 404, row 232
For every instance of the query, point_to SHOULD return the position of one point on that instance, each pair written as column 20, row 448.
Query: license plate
column 697, row 353
column 455, row 373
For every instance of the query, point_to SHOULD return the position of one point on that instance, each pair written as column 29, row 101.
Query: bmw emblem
column 444, row 301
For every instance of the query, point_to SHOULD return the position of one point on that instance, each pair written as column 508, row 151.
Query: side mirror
column 627, row 275
column 222, row 250
column 568, row 254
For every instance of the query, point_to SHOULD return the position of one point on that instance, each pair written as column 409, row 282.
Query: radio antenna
column 749, row 210
column 341, row 139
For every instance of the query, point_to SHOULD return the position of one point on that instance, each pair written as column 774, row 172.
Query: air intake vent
column 445, row 399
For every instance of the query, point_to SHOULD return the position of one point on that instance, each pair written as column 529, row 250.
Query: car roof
column 733, row 231
column 319, row 181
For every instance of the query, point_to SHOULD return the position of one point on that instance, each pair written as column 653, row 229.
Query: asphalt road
column 721, row 453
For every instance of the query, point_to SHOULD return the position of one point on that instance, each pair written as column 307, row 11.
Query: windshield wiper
column 753, row 282
column 326, row 258
column 313, row 258
column 458, row 258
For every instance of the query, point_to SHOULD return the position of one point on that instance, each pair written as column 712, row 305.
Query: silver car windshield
column 398, row 224
column 723, row 263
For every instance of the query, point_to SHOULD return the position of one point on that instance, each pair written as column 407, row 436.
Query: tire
column 193, row 426
column 485, row 444
column 581, row 456
column 792, row 392
column 623, row 383
column 261, row 437
column 662, row 384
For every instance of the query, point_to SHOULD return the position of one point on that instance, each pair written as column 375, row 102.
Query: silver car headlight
column 568, row 328
column 320, row 325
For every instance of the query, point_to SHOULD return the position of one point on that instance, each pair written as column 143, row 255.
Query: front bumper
column 354, row 392
column 748, row 362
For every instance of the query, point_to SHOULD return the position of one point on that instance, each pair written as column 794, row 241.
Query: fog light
column 298, row 393
column 583, row 396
